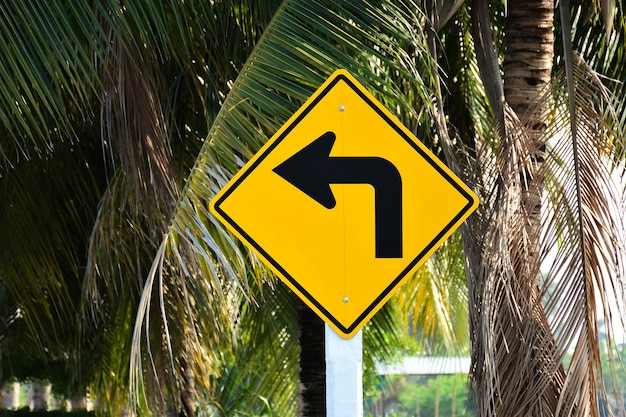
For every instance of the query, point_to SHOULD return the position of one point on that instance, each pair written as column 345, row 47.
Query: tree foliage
column 119, row 121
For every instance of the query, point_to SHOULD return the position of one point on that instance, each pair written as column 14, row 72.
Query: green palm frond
column 53, row 55
column 262, row 369
column 46, row 49
column 42, row 235
column 304, row 44
column 434, row 301
column 100, row 76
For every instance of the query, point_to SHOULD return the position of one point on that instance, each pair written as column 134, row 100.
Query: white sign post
column 344, row 374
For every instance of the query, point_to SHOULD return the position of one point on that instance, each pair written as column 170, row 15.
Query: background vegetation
column 119, row 121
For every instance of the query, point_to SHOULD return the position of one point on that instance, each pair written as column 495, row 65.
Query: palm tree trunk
column 312, row 389
column 529, row 53
column 527, row 70
column 527, row 360
column 516, row 367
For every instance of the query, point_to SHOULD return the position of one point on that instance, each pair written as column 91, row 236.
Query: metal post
column 344, row 375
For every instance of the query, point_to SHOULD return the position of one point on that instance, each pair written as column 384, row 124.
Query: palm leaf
column 434, row 302
column 41, row 237
column 304, row 43
column 41, row 101
column 578, row 221
column 497, row 249
column 587, row 267
column 63, row 66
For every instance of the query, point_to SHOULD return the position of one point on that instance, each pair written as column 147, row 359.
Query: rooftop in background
column 427, row 365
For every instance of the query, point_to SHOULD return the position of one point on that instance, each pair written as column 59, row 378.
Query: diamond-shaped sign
column 343, row 203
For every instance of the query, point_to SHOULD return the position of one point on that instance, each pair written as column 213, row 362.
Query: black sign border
column 395, row 125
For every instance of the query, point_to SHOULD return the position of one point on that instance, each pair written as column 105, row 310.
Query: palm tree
column 114, row 103
column 87, row 183
column 542, row 193
column 512, row 170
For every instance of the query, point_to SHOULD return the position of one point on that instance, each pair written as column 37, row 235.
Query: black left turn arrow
column 312, row 170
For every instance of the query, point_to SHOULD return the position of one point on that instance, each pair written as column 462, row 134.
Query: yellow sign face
column 343, row 203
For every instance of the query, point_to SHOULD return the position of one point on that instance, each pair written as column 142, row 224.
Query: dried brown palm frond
column 525, row 326
column 132, row 123
column 584, row 225
column 141, row 191
column 512, row 344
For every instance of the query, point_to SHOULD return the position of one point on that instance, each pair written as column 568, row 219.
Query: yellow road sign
column 343, row 203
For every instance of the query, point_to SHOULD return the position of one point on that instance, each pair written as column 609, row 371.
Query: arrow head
column 307, row 170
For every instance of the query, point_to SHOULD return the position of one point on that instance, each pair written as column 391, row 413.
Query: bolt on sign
column 343, row 203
